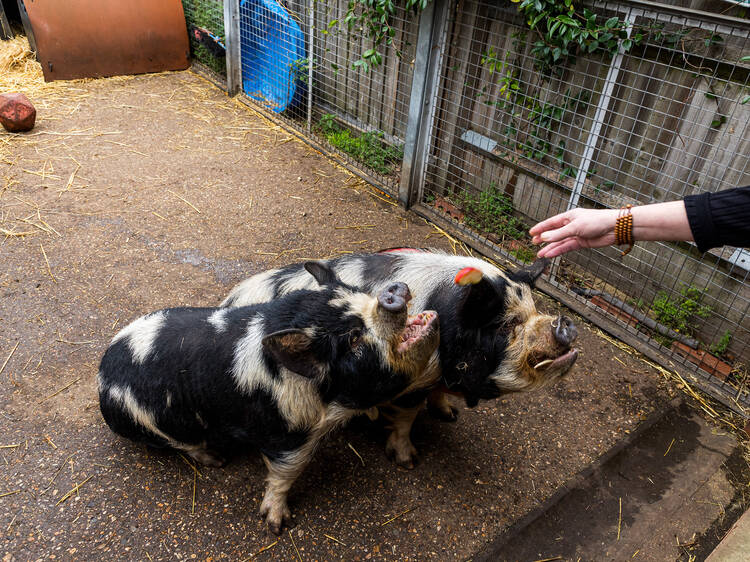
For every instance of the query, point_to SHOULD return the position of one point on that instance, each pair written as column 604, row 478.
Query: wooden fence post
column 232, row 44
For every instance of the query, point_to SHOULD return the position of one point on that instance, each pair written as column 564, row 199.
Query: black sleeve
column 721, row 218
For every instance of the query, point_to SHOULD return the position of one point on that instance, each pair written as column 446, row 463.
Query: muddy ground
column 152, row 191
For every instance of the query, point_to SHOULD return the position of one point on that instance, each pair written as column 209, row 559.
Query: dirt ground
column 140, row 193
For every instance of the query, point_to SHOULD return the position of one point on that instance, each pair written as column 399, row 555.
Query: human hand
column 575, row 229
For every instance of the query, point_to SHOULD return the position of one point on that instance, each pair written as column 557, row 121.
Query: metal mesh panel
column 512, row 145
column 359, row 115
column 205, row 22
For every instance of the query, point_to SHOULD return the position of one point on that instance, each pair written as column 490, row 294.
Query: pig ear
column 294, row 350
column 530, row 274
column 480, row 304
column 323, row 274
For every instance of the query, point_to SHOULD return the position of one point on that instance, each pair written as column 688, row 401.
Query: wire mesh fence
column 356, row 113
column 514, row 143
column 499, row 142
column 205, row 23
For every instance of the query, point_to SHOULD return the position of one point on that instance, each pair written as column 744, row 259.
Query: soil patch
column 134, row 194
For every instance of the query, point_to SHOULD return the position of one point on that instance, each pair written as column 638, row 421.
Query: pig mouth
column 561, row 363
column 417, row 328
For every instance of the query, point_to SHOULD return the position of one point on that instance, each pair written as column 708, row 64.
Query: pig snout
column 565, row 331
column 395, row 297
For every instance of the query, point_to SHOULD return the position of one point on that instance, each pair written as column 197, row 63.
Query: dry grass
column 18, row 67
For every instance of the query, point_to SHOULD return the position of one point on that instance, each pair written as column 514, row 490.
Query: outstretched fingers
column 554, row 249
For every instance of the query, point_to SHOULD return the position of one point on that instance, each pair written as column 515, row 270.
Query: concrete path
column 669, row 492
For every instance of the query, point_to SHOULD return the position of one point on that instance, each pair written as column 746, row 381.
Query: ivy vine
column 563, row 30
column 373, row 18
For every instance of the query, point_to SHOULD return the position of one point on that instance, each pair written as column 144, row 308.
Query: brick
column 706, row 361
column 614, row 310
column 17, row 113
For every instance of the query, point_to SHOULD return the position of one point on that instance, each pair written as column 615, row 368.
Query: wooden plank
column 452, row 93
column 460, row 159
column 405, row 77
column 391, row 80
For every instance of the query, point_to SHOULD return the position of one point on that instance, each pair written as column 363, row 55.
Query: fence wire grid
column 492, row 144
column 205, row 24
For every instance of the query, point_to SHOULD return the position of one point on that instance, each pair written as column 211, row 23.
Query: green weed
column 208, row 14
column 720, row 347
column 681, row 312
column 491, row 211
column 367, row 148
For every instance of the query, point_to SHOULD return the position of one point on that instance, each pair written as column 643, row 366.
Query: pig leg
column 281, row 475
column 399, row 447
column 439, row 406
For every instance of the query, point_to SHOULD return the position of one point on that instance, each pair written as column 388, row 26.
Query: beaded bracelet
column 624, row 229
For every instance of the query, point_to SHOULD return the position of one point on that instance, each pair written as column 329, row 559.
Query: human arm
column 594, row 228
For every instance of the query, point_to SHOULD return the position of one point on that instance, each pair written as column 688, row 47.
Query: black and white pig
column 493, row 340
column 276, row 376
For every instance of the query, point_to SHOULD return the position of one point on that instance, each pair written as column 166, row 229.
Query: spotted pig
column 493, row 340
column 273, row 376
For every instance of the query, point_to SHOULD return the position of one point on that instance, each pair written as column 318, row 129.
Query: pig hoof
column 277, row 515
column 403, row 454
column 446, row 413
column 208, row 458
column 276, row 526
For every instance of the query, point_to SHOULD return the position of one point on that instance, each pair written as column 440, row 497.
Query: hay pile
column 19, row 70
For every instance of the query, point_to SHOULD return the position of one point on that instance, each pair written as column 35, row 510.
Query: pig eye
column 355, row 336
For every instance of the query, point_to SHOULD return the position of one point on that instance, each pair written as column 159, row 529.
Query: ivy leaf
column 747, row 99
column 361, row 64
column 567, row 20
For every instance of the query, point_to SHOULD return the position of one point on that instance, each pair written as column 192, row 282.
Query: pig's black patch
column 186, row 382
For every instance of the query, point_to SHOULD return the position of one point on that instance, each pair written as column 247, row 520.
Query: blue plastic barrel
column 272, row 47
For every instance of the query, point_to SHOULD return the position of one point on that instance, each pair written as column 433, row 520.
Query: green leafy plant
column 542, row 120
column 564, row 31
column 373, row 18
column 524, row 254
column 367, row 148
column 209, row 15
column 680, row 313
column 491, row 211
column 720, row 347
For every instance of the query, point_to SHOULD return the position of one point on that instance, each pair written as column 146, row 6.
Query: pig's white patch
column 124, row 397
column 141, row 333
column 248, row 369
column 300, row 280
column 354, row 304
column 219, row 320
column 296, row 397
column 100, row 385
column 425, row 272
column 351, row 272
column 253, row 290
column 168, row 400
column 522, row 306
